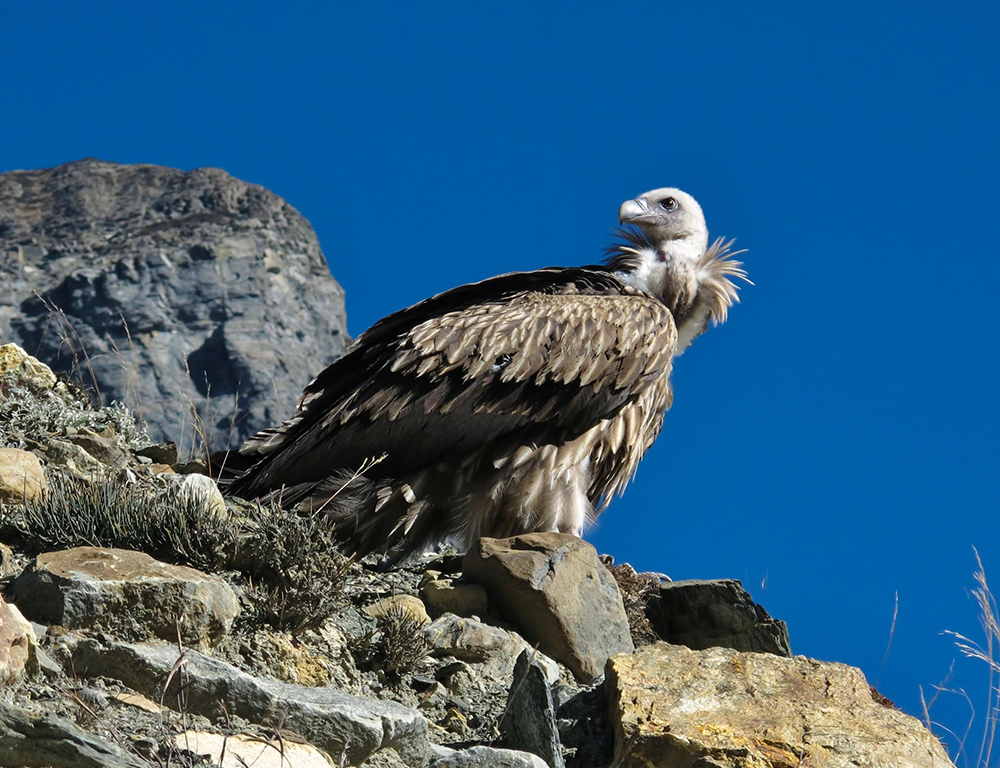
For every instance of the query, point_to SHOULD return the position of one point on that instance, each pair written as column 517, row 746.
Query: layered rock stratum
column 178, row 293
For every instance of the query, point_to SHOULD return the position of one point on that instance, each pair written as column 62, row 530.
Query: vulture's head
column 669, row 218
column 666, row 253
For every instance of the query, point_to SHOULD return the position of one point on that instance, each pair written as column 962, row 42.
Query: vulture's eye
column 668, row 204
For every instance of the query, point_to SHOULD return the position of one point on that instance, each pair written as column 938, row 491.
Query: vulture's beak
column 632, row 211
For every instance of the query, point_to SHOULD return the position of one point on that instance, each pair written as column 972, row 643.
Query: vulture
column 517, row 404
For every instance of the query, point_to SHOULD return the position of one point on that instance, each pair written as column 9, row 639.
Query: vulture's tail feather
column 368, row 516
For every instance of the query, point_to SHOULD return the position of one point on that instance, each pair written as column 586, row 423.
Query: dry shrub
column 296, row 574
column 30, row 415
column 293, row 570
column 636, row 591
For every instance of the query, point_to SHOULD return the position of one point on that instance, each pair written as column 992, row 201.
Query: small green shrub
column 28, row 415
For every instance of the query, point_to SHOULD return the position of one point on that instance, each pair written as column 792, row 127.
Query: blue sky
column 836, row 442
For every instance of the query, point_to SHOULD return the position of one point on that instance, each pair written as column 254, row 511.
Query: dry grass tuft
column 396, row 644
column 125, row 511
column 988, row 652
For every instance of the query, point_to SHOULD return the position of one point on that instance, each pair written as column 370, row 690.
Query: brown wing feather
column 553, row 362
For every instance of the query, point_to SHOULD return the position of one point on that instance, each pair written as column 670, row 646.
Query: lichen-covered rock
column 129, row 592
column 555, row 591
column 171, row 290
column 21, row 475
column 17, row 644
column 715, row 613
column 18, row 366
column 678, row 708
column 349, row 728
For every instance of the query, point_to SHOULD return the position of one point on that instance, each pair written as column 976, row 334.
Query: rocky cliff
column 177, row 293
column 147, row 621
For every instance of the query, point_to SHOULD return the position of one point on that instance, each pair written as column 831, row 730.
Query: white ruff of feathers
column 707, row 293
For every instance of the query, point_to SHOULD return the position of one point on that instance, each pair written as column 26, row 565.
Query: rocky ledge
column 147, row 621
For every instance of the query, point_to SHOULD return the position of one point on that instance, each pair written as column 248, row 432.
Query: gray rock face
column 715, row 613
column 33, row 740
column 171, row 289
column 348, row 727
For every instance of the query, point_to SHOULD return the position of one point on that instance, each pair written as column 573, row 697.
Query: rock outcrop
column 678, row 708
column 350, row 727
column 33, row 740
column 168, row 290
column 284, row 642
column 714, row 613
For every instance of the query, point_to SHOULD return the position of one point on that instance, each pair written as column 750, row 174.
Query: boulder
column 169, row 291
column 21, row 475
column 107, row 449
column 160, row 453
column 350, row 728
column 715, row 613
column 675, row 707
column 119, row 590
column 200, row 491
column 555, row 591
column 17, row 644
column 408, row 604
column 76, row 460
column 9, row 565
column 472, row 640
column 446, row 595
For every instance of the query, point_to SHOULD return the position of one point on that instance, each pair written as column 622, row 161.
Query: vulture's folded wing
column 443, row 378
